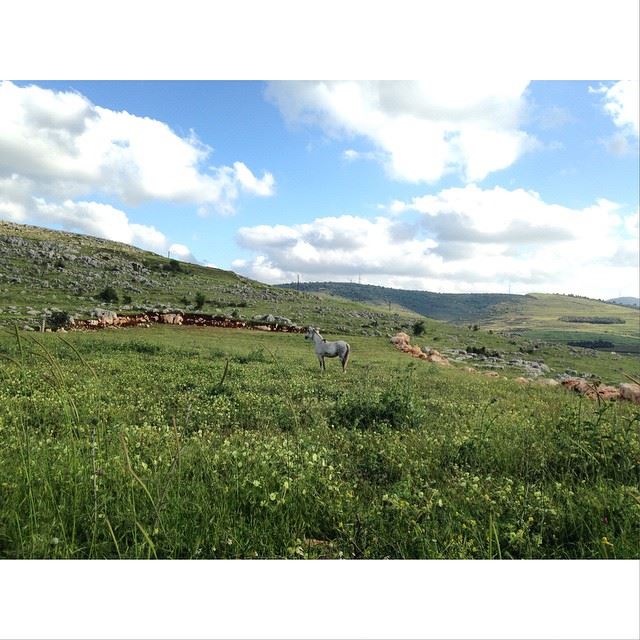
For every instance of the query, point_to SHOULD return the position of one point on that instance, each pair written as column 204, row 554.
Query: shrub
column 200, row 300
column 592, row 319
column 483, row 351
column 59, row 320
column 108, row 294
column 592, row 344
column 173, row 266
column 396, row 407
column 419, row 328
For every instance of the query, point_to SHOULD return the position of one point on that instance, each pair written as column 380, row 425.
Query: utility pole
column 298, row 282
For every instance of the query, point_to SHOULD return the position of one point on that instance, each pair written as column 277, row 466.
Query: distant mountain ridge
column 626, row 301
column 452, row 307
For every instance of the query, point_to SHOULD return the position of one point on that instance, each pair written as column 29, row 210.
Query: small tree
column 419, row 328
column 173, row 266
column 200, row 300
column 59, row 320
column 108, row 294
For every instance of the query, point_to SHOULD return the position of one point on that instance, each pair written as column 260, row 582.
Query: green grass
column 179, row 442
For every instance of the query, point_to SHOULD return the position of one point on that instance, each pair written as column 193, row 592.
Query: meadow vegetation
column 181, row 442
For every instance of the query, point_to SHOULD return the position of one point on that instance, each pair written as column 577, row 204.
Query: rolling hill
column 552, row 317
column 44, row 270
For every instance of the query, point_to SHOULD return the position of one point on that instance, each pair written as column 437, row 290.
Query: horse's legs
column 321, row 361
column 345, row 360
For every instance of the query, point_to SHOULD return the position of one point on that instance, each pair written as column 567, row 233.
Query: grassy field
column 541, row 316
column 177, row 442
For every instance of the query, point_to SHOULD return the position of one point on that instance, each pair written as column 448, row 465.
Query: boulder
column 400, row 339
column 579, row 385
column 606, row 392
column 630, row 391
column 105, row 316
column 438, row 358
column 171, row 318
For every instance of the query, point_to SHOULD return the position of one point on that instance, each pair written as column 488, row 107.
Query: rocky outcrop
column 171, row 318
column 629, row 391
column 402, row 342
column 594, row 390
column 102, row 318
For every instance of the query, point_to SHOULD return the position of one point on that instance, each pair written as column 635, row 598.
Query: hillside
column 42, row 270
column 450, row 307
column 567, row 319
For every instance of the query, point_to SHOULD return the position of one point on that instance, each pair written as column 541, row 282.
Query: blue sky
column 442, row 186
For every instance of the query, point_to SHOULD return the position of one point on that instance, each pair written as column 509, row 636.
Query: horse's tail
column 345, row 360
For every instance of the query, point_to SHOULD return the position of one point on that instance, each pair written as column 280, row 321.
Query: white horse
column 339, row 348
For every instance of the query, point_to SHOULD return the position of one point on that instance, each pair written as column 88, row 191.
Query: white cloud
column 58, row 151
column 420, row 131
column 621, row 101
column 352, row 154
column 262, row 187
column 67, row 145
column 465, row 239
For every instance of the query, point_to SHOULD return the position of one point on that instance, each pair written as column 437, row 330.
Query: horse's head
column 310, row 332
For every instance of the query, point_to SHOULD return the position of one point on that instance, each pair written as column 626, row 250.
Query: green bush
column 108, row 294
column 200, row 300
column 59, row 320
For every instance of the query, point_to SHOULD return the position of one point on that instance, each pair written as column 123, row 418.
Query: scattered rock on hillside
column 402, row 342
column 592, row 390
